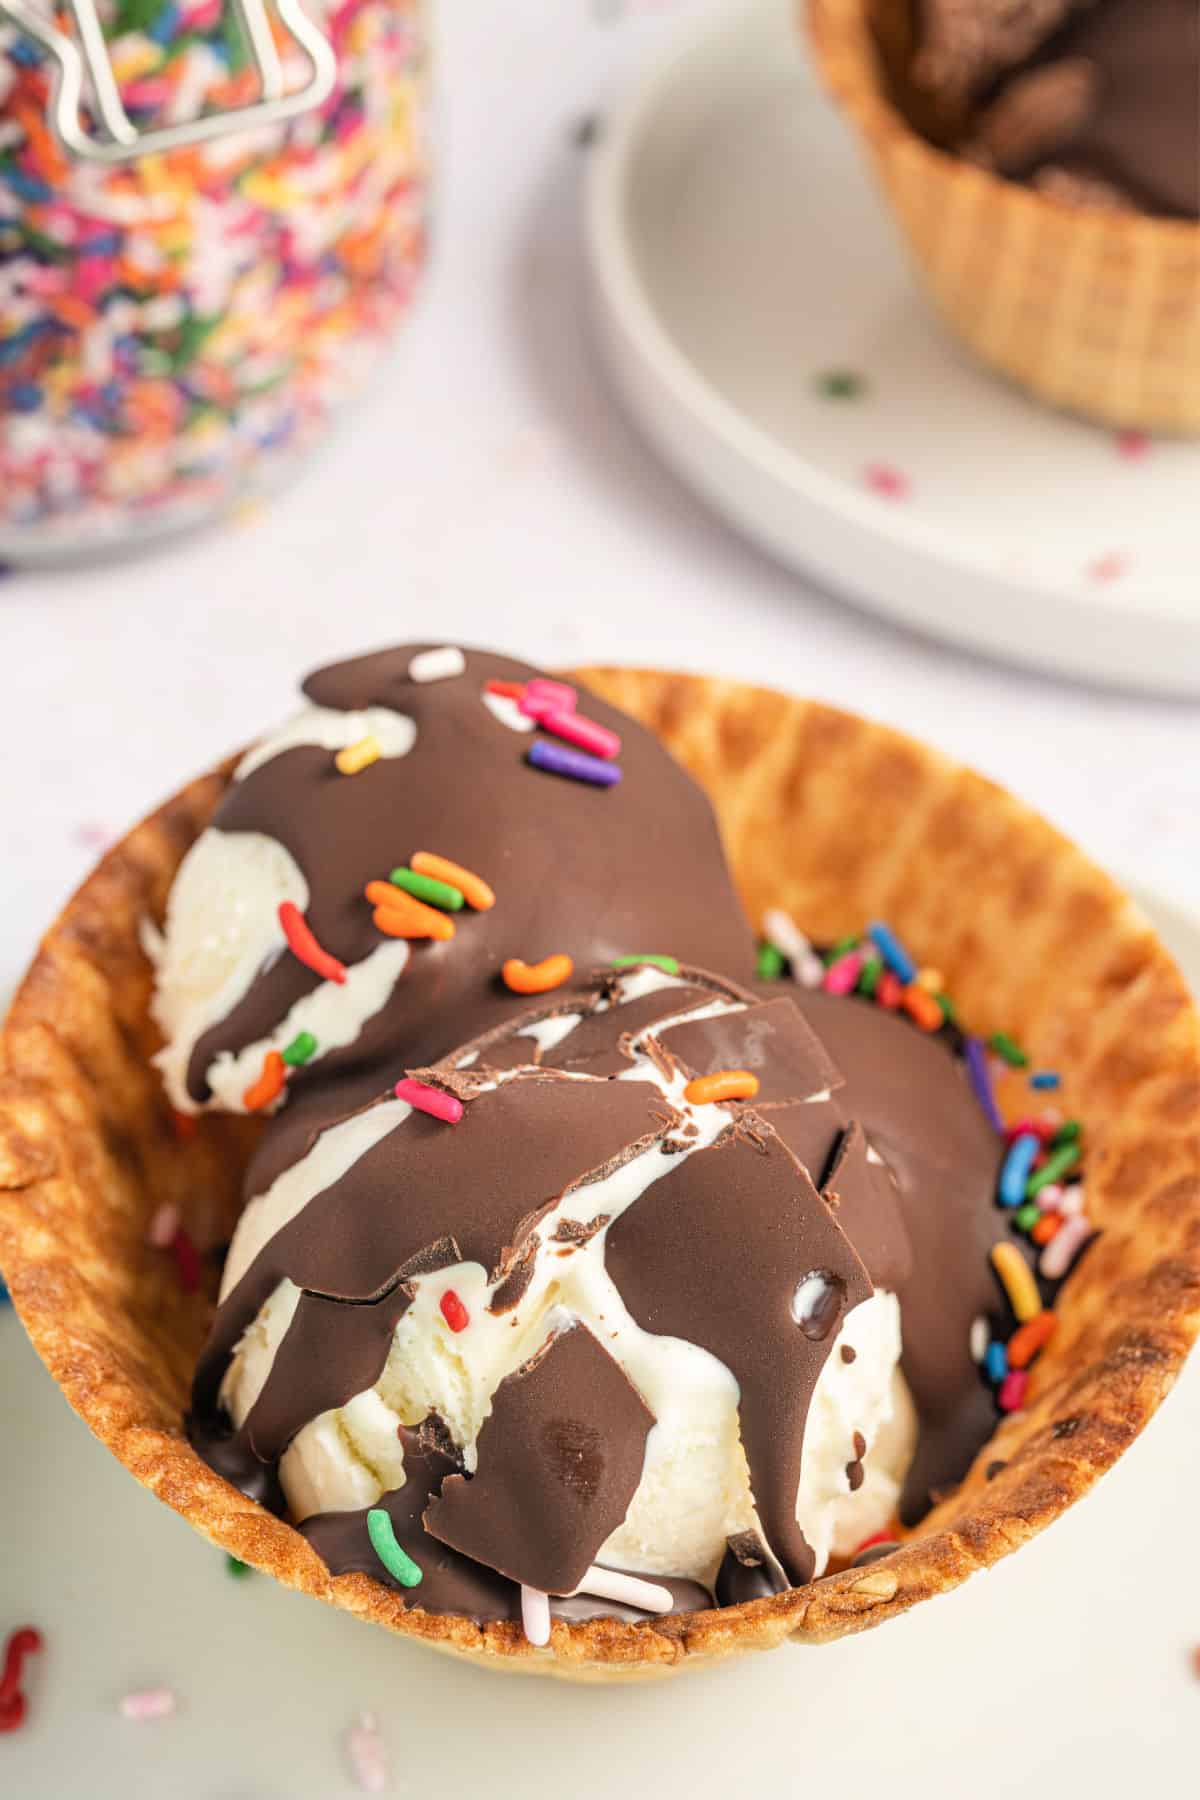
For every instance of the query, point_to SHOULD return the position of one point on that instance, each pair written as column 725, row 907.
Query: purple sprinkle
column 981, row 1081
column 556, row 759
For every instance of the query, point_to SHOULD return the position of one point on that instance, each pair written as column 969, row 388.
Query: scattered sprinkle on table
column 1133, row 446
column 886, row 481
column 575, row 765
column 1109, row 567
column 434, row 1101
column 366, row 1754
column 840, row 384
column 537, row 978
column 437, row 665
column 26, row 1641
column 147, row 1704
column 236, row 1569
column 399, row 1565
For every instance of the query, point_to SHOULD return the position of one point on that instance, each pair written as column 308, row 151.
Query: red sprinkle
column 184, row 1126
column 21, row 1643
column 1012, row 1390
column 453, row 1311
column 869, row 1543
column 187, row 1261
column 304, row 946
column 890, row 991
column 1038, row 1128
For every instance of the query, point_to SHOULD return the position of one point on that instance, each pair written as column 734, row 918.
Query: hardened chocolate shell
column 839, row 821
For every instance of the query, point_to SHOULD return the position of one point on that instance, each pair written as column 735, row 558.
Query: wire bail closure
column 88, row 59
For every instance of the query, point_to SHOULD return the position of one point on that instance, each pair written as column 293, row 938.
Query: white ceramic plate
column 1029, row 1678
column 740, row 256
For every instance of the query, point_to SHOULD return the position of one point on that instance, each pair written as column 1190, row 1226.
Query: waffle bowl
column 1031, row 939
column 1092, row 310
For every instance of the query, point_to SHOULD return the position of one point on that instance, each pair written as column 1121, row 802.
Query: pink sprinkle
column 1071, row 1200
column 584, row 732
column 430, row 1100
column 93, row 837
column 368, row 1758
column 187, row 1261
column 149, row 1703
column 163, row 1226
column 1012, row 1390
column 1133, row 445
column 1064, row 1246
column 887, row 481
column 841, row 976
column 1109, row 567
column 542, row 697
column 1050, row 1196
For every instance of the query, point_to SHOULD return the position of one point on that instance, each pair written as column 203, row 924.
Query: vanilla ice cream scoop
column 564, row 1316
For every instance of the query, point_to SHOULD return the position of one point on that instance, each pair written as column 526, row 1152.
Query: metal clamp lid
column 124, row 141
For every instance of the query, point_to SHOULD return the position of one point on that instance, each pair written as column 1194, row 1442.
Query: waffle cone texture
column 1092, row 310
column 1031, row 938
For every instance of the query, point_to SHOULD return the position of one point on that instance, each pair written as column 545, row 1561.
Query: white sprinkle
column 979, row 1339
column 781, row 931
column 368, row 1758
column 163, row 1226
column 1050, row 1198
column 1060, row 1252
column 535, row 1615
column 612, row 1584
column 505, row 708
column 437, row 665
column 149, row 1703
column 1071, row 1201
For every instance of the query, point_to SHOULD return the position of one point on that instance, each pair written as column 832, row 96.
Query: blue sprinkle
column 24, row 186
column 1017, row 1167
column 164, row 27
column 1045, row 1079
column 25, row 55
column 556, row 759
column 101, row 243
column 995, row 1363
column 893, row 952
column 24, row 396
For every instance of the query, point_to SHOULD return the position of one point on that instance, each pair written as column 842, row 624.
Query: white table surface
column 489, row 490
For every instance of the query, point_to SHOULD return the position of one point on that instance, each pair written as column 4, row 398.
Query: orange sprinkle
column 1046, row 1227
column 474, row 890
column 920, row 1005
column 1027, row 1340
column 529, row 978
column 726, row 1084
column 397, row 914
column 269, row 1085
column 511, row 690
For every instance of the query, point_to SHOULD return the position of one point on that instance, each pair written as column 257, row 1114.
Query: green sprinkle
column 302, row 1046
column 840, row 384
column 1069, row 1132
column 424, row 887
column 1027, row 1216
column 191, row 338
column 1009, row 1049
column 238, row 1570
column 949, row 1012
column 1056, row 1164
column 668, row 964
column 770, row 964
column 868, row 980
column 396, row 1561
column 840, row 948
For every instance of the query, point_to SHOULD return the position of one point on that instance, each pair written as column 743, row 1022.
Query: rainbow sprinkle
column 398, row 1563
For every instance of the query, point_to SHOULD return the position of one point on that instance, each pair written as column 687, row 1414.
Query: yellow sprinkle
column 932, row 980
column 1019, row 1285
column 357, row 757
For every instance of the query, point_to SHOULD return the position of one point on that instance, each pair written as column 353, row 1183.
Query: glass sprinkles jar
column 211, row 217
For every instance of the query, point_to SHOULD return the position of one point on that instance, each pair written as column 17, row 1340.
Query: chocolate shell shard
column 773, row 1040
column 746, row 1572
column 863, row 1189
column 560, row 1457
column 713, row 1253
